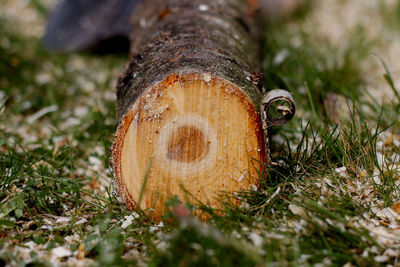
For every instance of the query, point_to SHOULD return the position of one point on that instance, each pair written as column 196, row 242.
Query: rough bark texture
column 184, row 36
column 198, row 46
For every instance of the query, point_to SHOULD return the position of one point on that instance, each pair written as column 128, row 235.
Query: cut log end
column 201, row 134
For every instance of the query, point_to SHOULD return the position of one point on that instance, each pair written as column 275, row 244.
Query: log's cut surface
column 188, row 104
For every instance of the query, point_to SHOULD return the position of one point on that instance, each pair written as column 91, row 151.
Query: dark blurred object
column 100, row 26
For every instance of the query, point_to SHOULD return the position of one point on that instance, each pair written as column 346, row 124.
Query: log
column 188, row 104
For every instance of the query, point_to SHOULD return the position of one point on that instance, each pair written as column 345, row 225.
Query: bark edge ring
column 273, row 97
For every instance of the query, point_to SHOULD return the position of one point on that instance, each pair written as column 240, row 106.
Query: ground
column 332, row 198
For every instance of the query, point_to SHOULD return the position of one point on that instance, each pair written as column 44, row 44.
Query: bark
column 184, row 36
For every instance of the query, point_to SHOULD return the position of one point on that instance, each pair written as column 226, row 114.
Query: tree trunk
column 189, row 123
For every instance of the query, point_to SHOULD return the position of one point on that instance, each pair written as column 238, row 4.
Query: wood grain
column 203, row 137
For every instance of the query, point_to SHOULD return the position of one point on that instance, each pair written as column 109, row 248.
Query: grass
column 337, row 171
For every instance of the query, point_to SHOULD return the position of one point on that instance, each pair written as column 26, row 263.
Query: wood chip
column 396, row 207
